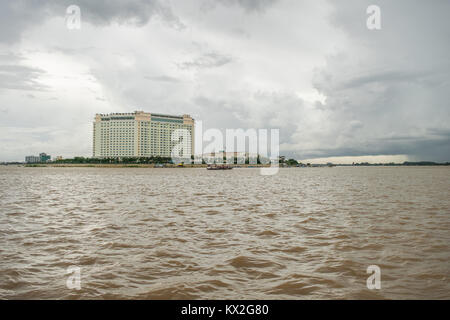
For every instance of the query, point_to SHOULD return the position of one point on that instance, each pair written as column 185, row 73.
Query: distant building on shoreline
column 32, row 159
column 238, row 156
column 139, row 134
column 43, row 157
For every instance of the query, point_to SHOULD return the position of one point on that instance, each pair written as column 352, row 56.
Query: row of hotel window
column 165, row 125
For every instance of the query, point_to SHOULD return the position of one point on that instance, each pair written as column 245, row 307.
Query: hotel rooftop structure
column 140, row 134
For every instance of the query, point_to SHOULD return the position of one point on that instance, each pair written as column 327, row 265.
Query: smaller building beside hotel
column 32, row 159
column 43, row 157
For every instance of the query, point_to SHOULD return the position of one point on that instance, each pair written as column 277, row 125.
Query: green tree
column 291, row 162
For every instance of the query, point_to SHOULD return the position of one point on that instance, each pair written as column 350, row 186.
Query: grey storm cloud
column 14, row 75
column 394, row 81
column 20, row 77
column 310, row 68
column 391, row 76
column 250, row 5
column 17, row 16
column 207, row 60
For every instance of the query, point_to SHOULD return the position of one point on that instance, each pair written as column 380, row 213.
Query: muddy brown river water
column 305, row 233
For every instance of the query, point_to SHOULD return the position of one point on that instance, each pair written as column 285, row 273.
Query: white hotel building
column 140, row 134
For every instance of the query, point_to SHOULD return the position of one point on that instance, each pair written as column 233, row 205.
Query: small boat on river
column 219, row 167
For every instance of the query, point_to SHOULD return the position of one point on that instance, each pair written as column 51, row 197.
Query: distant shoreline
column 130, row 165
column 159, row 166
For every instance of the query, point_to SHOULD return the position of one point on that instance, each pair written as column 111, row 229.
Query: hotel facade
column 140, row 134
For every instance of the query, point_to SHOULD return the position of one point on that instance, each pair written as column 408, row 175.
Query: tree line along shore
column 158, row 162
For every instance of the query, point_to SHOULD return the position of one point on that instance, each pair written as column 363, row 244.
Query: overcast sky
column 311, row 68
